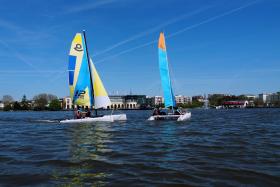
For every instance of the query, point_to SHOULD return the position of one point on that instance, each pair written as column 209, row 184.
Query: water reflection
column 90, row 142
column 87, row 154
column 239, row 147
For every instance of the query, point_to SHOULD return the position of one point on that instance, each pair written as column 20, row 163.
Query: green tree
column 17, row 106
column 55, row 105
column 194, row 104
column 24, row 103
column 7, row 108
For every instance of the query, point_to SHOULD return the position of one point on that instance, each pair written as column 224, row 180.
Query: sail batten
column 169, row 99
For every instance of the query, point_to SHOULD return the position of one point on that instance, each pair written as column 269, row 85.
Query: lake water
column 214, row 148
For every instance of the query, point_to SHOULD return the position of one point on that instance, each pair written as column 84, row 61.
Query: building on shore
column 235, row 104
column 1, row 105
column 198, row 98
column 128, row 101
column 140, row 101
column 181, row 99
column 273, row 99
column 67, row 103
column 263, row 97
column 157, row 100
column 250, row 96
column 117, row 102
column 131, row 101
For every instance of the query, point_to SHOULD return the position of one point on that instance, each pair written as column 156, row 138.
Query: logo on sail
column 78, row 47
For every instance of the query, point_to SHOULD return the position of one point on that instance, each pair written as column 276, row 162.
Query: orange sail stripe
column 161, row 42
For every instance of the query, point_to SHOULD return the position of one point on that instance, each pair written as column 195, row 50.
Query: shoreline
column 142, row 109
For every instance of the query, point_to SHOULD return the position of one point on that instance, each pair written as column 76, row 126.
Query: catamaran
column 86, row 87
column 169, row 99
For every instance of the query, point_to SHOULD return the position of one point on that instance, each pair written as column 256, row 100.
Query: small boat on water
column 101, row 118
column 169, row 99
column 86, row 87
column 171, row 116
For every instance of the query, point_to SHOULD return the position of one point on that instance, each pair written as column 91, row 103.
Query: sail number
column 80, row 93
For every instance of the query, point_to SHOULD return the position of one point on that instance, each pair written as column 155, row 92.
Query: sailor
column 77, row 113
column 156, row 112
column 161, row 112
column 87, row 112
column 177, row 112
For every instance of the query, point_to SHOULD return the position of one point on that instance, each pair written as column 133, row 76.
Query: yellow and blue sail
column 169, row 99
column 79, row 73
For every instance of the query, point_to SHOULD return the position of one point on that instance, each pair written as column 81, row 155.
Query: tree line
column 40, row 102
column 219, row 99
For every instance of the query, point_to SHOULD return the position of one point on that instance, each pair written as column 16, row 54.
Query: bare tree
column 7, row 99
column 52, row 97
column 42, row 100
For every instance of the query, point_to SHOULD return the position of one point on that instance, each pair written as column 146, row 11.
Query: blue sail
column 169, row 99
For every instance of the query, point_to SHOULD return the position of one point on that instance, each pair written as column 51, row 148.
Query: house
column 235, row 104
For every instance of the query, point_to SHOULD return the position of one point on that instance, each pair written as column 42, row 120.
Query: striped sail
column 101, row 99
column 169, row 99
column 79, row 77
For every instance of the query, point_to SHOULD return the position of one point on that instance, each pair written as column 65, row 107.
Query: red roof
column 234, row 103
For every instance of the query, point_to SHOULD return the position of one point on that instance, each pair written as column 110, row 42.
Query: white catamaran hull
column 182, row 117
column 105, row 118
column 119, row 117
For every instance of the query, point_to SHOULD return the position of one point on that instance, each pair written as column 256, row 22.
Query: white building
column 273, row 98
column 250, row 96
column 127, row 101
column 263, row 97
column 158, row 100
column 131, row 104
column 117, row 102
column 180, row 99
column 67, row 103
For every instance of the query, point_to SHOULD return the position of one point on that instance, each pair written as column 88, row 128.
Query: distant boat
column 86, row 87
column 169, row 99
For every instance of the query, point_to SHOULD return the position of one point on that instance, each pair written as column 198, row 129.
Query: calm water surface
column 214, row 148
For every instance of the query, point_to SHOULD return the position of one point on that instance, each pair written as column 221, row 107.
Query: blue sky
column 216, row 46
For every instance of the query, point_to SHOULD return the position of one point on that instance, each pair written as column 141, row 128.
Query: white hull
column 119, row 117
column 105, row 118
column 182, row 117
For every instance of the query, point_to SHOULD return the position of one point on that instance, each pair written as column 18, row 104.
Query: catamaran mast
column 88, row 59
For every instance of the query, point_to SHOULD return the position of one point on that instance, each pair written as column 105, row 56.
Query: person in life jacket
column 77, row 112
column 87, row 111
